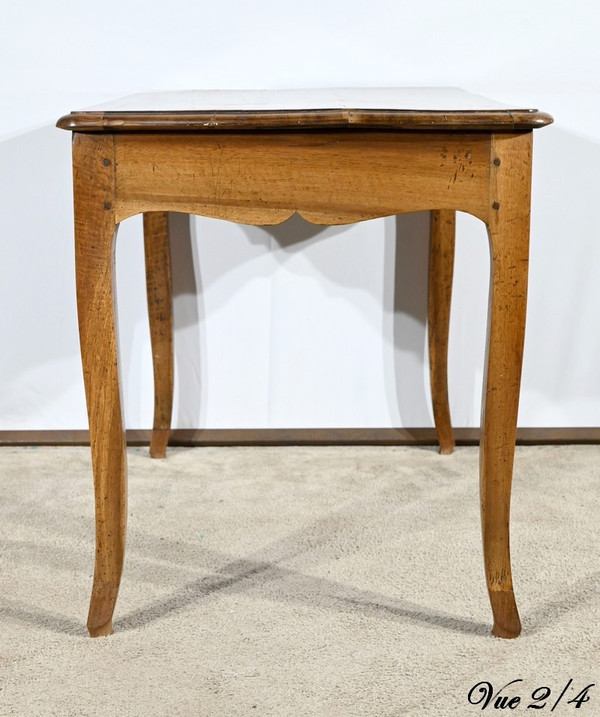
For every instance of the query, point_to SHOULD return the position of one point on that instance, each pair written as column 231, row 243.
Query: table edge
column 232, row 120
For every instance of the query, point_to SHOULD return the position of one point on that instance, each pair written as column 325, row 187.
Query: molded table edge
column 195, row 121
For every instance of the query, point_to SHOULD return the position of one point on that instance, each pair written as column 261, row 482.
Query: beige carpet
column 295, row 581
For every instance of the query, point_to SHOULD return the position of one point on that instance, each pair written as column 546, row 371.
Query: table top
column 408, row 108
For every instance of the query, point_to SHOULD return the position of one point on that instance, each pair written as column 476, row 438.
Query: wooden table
column 334, row 157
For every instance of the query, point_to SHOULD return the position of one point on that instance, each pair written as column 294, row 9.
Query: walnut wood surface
column 441, row 269
column 160, row 314
column 508, row 228
column 345, row 177
column 329, row 177
column 397, row 108
column 95, row 233
column 490, row 120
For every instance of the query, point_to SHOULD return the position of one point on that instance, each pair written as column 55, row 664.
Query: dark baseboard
column 302, row 437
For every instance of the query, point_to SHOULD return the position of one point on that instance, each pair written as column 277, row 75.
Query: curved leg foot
column 96, row 627
column 508, row 229
column 95, row 233
column 441, row 268
column 160, row 314
column 507, row 622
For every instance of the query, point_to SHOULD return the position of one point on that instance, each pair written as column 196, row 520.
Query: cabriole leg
column 441, row 269
column 160, row 314
column 508, row 230
column 95, row 233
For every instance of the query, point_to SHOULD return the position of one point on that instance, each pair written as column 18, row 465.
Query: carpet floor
column 297, row 581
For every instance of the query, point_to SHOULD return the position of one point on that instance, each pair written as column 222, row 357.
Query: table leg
column 160, row 314
column 508, row 230
column 95, row 234
column 441, row 269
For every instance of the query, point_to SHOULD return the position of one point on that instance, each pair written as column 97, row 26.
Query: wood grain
column 160, row 314
column 441, row 269
column 95, row 234
column 508, row 228
column 236, row 120
column 327, row 177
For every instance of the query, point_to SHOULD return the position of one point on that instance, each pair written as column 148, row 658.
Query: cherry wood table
column 334, row 157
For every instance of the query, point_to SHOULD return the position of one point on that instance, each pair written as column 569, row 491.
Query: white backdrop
column 297, row 325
